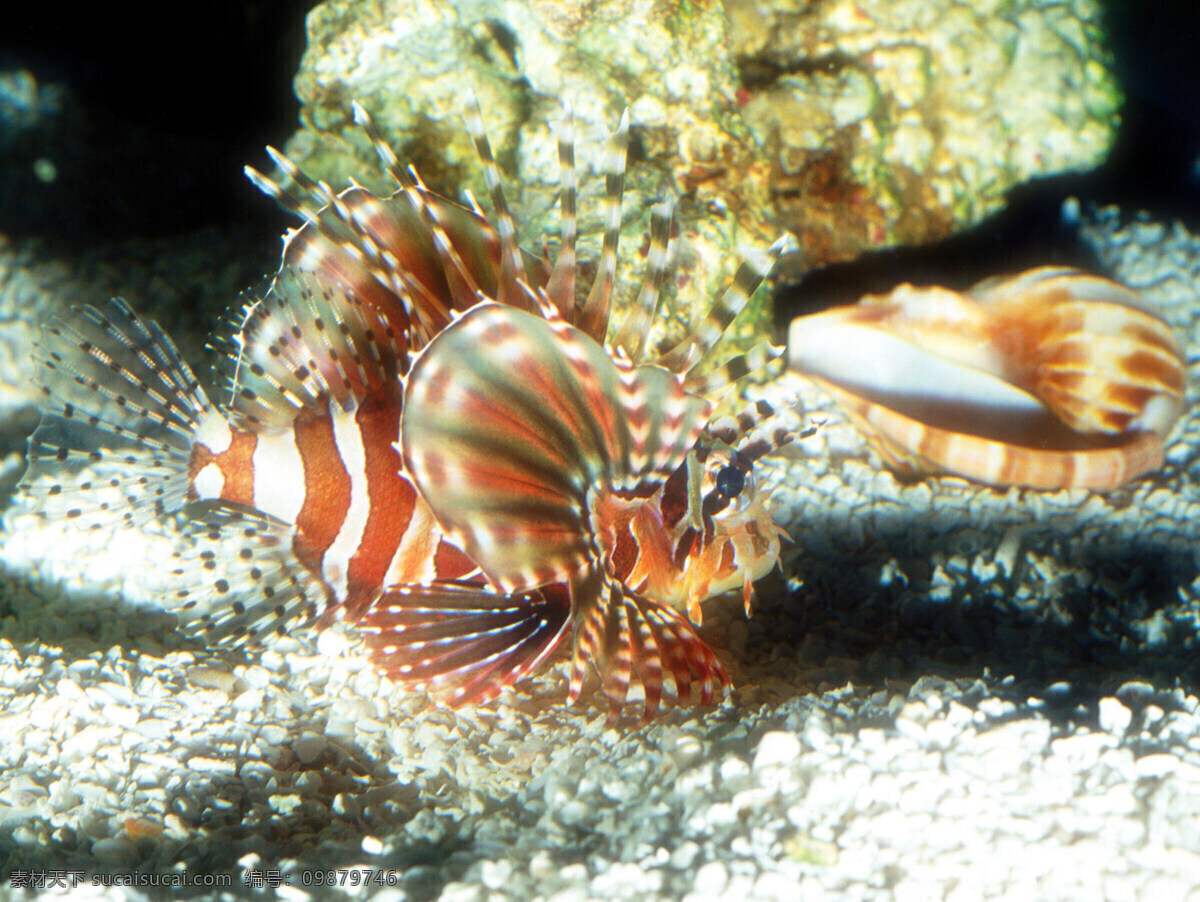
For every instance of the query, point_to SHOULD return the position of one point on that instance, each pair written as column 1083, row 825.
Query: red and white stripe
column 358, row 522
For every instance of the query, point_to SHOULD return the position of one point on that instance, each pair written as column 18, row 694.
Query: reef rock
column 892, row 122
column 411, row 62
column 855, row 125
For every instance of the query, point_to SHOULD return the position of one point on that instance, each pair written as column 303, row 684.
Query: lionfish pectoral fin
column 506, row 422
column 236, row 582
column 463, row 640
column 630, row 640
column 510, row 420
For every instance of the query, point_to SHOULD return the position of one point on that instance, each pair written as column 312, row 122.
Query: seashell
column 1049, row 379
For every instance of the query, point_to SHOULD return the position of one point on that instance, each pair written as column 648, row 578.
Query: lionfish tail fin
column 692, row 350
column 121, row 410
column 632, row 640
column 463, row 641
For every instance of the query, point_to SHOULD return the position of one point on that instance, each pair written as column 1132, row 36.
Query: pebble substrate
column 961, row 694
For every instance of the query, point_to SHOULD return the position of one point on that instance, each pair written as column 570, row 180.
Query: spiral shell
column 1049, row 379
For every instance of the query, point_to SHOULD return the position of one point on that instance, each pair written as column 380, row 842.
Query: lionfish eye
column 730, row 481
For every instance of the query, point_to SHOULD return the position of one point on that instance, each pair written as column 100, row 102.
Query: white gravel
column 964, row 695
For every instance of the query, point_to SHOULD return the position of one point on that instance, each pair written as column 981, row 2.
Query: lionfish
column 430, row 434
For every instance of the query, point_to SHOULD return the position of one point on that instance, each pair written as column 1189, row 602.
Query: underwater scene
column 478, row 450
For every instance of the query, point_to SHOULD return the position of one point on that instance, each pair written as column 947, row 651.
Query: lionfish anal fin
column 236, row 582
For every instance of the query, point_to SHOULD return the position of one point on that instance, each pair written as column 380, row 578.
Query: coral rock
column 854, row 125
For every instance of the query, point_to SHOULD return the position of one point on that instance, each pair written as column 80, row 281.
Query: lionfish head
column 726, row 538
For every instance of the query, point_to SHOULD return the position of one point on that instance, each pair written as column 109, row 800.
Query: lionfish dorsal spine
column 387, row 157
column 317, row 190
column 511, row 265
column 305, row 202
column 355, row 238
column 634, row 330
column 561, row 285
column 692, row 350
column 592, row 317
column 464, row 287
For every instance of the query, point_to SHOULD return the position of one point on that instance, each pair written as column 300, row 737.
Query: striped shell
column 1049, row 379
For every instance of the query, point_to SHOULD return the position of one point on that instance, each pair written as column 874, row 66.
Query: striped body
column 358, row 523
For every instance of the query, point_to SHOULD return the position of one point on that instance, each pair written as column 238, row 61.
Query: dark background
column 169, row 109
column 170, row 101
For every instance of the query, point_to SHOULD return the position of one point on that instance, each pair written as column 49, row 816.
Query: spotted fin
column 510, row 422
column 235, row 581
column 463, row 641
column 120, row 410
column 306, row 343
